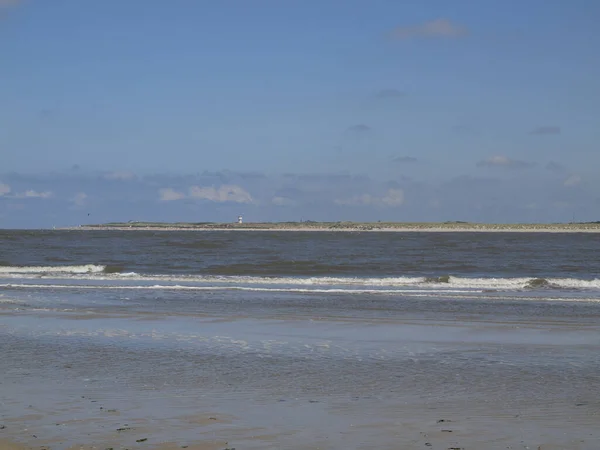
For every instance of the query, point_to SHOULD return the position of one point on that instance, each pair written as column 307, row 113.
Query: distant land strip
column 345, row 226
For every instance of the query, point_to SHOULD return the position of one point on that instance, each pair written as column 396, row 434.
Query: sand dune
column 592, row 227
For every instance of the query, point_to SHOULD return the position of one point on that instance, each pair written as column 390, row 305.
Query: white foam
column 94, row 272
column 422, row 293
column 521, row 283
column 576, row 284
column 236, row 288
column 81, row 269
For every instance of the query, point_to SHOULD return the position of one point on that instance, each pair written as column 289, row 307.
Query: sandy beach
column 8, row 445
column 56, row 397
column 353, row 227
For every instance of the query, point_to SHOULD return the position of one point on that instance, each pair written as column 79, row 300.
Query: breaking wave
column 40, row 270
column 117, row 275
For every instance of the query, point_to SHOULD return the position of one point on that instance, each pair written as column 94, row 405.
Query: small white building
column 240, row 219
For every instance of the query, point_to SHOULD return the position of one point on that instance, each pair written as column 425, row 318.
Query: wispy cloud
column 404, row 159
column 169, row 195
column 546, row 130
column 392, row 198
column 5, row 190
column 500, row 192
column 439, row 28
column 357, row 200
column 224, row 193
column 555, row 167
column 79, row 199
column 504, row 162
column 572, row 180
column 120, row 175
column 34, row 194
column 283, row 201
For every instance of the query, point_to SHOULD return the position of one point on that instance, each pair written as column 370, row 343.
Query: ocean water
column 301, row 339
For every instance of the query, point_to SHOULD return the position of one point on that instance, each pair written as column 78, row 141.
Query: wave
column 10, row 301
column 233, row 288
column 118, row 274
column 81, row 269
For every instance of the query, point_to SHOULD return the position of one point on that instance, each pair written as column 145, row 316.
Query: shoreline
column 351, row 227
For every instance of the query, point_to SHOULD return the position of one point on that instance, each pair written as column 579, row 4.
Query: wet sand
column 225, row 382
column 8, row 445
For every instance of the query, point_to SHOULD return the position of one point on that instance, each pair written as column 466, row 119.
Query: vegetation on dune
column 362, row 226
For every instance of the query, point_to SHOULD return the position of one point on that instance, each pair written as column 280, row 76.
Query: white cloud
column 30, row 193
column 439, row 28
column 120, row 175
column 478, row 196
column 573, row 180
column 357, row 200
column 34, row 194
column 393, row 197
column 504, row 162
column 225, row 193
column 169, row 194
column 79, row 199
column 4, row 189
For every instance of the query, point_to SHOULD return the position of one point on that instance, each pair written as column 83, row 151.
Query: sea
column 299, row 340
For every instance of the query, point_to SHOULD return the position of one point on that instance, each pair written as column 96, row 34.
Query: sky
column 197, row 110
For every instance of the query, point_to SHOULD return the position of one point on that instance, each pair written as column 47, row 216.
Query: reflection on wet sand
column 225, row 382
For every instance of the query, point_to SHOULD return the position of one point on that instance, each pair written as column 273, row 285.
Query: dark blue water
column 569, row 255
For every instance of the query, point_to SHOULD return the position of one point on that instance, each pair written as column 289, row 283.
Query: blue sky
column 332, row 110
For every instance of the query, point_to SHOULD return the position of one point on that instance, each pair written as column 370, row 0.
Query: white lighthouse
column 240, row 220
